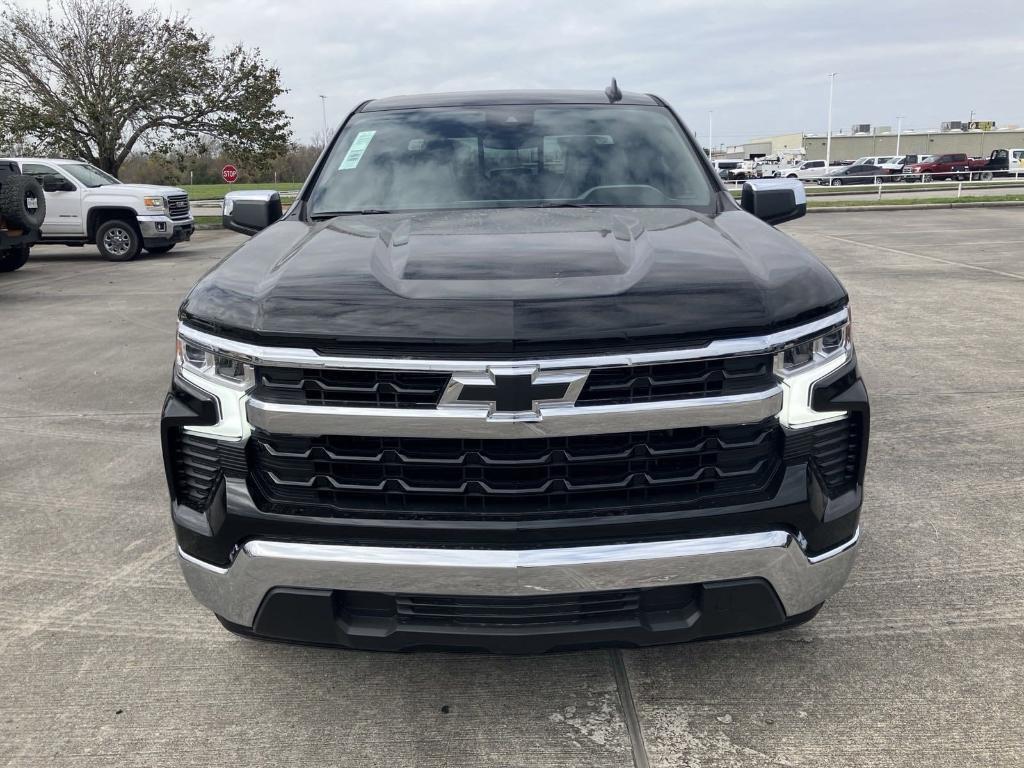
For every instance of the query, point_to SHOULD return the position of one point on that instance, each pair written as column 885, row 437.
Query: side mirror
column 53, row 182
column 774, row 200
column 251, row 211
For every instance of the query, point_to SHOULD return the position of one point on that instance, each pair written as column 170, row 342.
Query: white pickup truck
column 86, row 205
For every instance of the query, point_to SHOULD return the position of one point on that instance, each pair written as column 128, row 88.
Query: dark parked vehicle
column 22, row 213
column 515, row 372
column 854, row 174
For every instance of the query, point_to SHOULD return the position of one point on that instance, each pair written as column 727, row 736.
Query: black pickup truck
column 515, row 373
column 22, row 212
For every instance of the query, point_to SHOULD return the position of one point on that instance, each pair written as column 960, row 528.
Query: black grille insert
column 833, row 448
column 626, row 606
column 530, row 479
column 677, row 381
column 199, row 463
column 352, row 388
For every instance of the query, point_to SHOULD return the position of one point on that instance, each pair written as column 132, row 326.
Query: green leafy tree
column 97, row 80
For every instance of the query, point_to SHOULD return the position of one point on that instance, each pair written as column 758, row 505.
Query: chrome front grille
column 420, row 449
column 178, row 206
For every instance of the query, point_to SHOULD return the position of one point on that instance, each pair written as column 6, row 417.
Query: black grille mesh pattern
column 530, row 479
column 833, row 448
column 351, row 388
column 199, row 463
column 675, row 381
column 626, row 606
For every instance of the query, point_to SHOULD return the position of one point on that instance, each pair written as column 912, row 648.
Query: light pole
column 828, row 138
column 899, row 129
column 323, row 103
column 710, row 145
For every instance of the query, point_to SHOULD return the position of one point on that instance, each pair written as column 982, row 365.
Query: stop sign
column 229, row 173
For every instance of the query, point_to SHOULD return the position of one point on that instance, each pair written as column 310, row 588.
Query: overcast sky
column 760, row 66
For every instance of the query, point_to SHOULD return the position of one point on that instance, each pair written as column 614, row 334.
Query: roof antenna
column 613, row 93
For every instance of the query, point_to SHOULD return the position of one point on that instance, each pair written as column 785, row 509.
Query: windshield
column 89, row 175
column 510, row 156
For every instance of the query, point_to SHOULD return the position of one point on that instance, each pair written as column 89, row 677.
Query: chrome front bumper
column 162, row 227
column 801, row 582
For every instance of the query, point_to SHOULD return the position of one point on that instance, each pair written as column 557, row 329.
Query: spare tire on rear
column 22, row 203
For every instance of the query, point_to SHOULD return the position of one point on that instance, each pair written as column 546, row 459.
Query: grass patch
column 217, row 191
column 917, row 201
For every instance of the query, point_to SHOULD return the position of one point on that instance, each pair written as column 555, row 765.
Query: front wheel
column 118, row 240
column 836, row 182
column 13, row 258
column 926, row 178
column 986, row 176
column 158, row 249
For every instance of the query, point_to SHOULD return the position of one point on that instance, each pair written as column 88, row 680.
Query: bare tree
column 97, row 79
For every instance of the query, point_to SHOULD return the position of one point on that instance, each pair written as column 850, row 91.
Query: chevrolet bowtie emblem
column 519, row 392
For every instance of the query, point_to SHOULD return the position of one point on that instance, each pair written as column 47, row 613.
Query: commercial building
column 880, row 141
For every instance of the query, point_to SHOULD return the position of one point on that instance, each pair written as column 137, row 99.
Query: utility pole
column 710, row 146
column 323, row 103
column 899, row 129
column 828, row 139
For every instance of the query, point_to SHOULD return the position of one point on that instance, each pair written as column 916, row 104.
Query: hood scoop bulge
column 601, row 260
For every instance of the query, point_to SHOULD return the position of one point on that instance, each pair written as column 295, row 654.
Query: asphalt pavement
column 106, row 660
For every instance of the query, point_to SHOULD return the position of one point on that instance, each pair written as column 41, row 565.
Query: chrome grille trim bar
column 476, row 422
column 309, row 358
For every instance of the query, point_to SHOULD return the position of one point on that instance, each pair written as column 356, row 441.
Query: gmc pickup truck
column 515, row 373
column 88, row 206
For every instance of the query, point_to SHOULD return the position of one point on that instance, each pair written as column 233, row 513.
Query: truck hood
column 139, row 189
column 510, row 281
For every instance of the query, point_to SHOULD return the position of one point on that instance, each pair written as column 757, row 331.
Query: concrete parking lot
column 106, row 660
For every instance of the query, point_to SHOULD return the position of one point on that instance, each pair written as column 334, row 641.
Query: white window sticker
column 355, row 152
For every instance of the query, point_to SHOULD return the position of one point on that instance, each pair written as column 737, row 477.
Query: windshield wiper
column 362, row 212
column 575, row 205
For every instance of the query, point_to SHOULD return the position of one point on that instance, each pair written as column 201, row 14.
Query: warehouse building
column 881, row 140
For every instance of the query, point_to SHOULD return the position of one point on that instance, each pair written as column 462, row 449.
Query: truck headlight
column 214, row 366
column 801, row 365
column 156, row 204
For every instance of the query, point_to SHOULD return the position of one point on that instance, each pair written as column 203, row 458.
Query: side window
column 37, row 169
column 817, row 164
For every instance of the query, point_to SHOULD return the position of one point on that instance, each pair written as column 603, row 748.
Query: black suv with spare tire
column 515, row 372
column 22, row 212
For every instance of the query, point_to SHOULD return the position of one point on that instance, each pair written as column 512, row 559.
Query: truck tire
column 118, row 240
column 157, row 249
column 986, row 176
column 22, row 203
column 926, row 178
column 13, row 258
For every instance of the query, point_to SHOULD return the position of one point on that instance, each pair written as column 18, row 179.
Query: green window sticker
column 355, row 152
